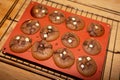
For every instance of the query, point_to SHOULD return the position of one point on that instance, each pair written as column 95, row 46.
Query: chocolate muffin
column 74, row 23
column 30, row 27
column 49, row 33
column 86, row 66
column 91, row 46
column 70, row 40
column 20, row 43
column 63, row 58
column 42, row 50
column 95, row 30
column 56, row 17
column 39, row 11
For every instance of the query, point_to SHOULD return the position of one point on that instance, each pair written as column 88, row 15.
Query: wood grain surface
column 4, row 7
column 112, row 65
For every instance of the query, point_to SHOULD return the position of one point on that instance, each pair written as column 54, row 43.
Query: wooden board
column 4, row 7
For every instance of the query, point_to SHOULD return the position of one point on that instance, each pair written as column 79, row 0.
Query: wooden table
column 110, row 9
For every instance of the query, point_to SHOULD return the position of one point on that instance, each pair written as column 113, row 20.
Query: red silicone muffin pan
column 78, row 51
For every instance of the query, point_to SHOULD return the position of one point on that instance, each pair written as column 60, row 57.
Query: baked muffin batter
column 86, row 66
column 95, row 30
column 74, row 23
column 63, row 58
column 70, row 40
column 20, row 43
column 42, row 50
column 30, row 27
column 39, row 11
column 56, row 17
column 91, row 46
column 49, row 33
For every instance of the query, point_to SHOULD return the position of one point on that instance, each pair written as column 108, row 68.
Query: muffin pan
column 77, row 51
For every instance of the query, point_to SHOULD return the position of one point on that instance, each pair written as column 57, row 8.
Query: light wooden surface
column 13, row 73
column 4, row 7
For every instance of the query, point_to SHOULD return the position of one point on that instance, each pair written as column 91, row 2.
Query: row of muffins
column 72, row 22
column 69, row 40
column 63, row 57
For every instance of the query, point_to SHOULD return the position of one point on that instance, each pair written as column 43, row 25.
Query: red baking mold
column 78, row 51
